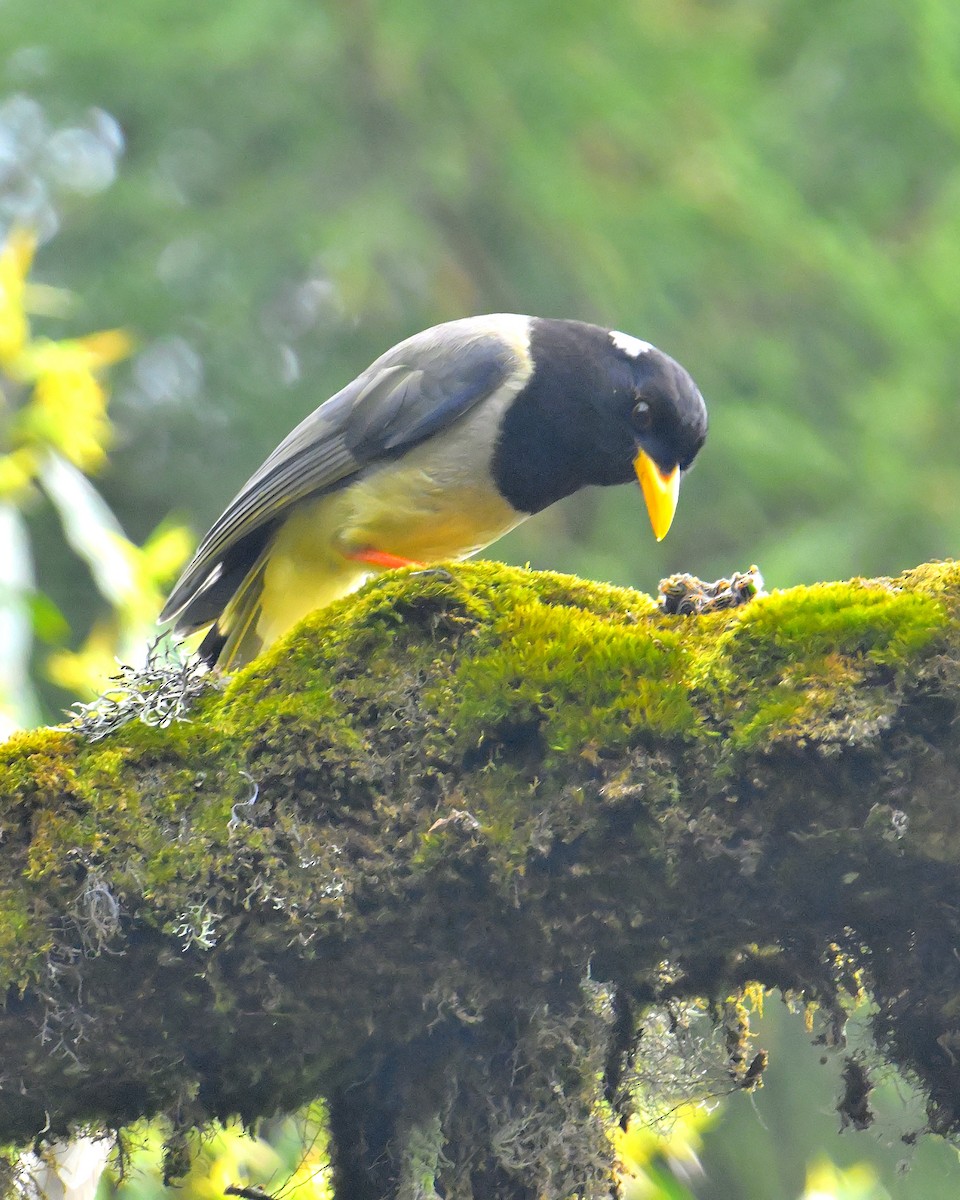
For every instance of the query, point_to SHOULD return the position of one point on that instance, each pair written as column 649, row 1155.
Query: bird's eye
column 642, row 416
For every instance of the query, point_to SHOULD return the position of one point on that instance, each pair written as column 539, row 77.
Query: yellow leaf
column 15, row 259
column 827, row 1181
column 86, row 672
column 17, row 473
column 165, row 551
column 680, row 1137
column 71, row 413
column 105, row 348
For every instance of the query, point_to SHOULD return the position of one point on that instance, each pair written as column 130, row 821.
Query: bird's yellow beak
column 660, row 492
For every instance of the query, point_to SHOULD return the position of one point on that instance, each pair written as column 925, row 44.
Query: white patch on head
column 630, row 345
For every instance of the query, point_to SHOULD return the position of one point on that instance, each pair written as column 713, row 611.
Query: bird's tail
column 232, row 640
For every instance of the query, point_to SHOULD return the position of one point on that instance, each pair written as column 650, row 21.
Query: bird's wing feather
column 410, row 393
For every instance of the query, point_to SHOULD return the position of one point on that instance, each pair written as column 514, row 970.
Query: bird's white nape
column 629, row 344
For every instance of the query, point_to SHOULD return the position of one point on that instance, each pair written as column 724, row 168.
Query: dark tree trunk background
column 434, row 857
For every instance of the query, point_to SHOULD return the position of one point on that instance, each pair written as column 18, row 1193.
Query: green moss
column 887, row 625
column 24, row 940
column 938, row 580
column 770, row 718
column 584, row 678
column 523, row 682
column 788, row 664
column 35, row 764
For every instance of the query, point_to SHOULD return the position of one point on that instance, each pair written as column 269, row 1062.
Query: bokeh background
column 266, row 194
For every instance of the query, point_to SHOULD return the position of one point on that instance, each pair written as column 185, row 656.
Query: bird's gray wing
column 413, row 391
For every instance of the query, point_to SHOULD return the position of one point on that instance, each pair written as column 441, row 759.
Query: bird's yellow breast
column 407, row 511
column 430, row 505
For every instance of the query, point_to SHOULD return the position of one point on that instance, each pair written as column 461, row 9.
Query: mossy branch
column 379, row 866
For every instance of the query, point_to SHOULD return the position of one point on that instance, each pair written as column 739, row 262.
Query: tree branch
column 432, row 857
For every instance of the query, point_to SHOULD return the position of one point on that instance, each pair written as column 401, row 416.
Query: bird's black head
column 600, row 407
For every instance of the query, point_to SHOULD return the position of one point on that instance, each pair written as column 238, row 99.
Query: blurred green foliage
column 271, row 192
column 767, row 188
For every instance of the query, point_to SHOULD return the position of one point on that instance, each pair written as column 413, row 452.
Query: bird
column 445, row 443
